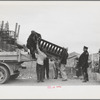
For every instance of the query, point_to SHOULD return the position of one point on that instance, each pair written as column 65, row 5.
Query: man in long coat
column 63, row 64
column 32, row 42
column 83, row 63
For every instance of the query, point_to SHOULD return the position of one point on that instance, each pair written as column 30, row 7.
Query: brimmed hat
column 85, row 47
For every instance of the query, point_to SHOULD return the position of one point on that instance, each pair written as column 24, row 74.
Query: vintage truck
column 12, row 54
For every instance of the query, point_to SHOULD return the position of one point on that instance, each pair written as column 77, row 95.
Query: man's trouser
column 85, row 74
column 56, row 72
column 78, row 72
column 39, row 71
column 32, row 51
column 63, row 72
column 46, row 68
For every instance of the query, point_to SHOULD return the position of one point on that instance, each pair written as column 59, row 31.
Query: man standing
column 32, row 42
column 83, row 63
column 56, row 67
column 63, row 63
column 46, row 67
column 40, row 64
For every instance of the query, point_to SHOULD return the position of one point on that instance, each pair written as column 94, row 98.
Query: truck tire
column 4, row 74
column 12, row 77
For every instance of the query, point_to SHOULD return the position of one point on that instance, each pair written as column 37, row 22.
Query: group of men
column 43, row 64
column 59, row 64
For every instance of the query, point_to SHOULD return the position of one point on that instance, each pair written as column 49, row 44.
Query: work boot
column 38, row 80
column 42, row 80
column 84, row 81
column 48, row 78
column 33, row 56
column 64, row 80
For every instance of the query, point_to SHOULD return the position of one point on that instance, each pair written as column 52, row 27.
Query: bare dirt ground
column 50, row 82
column 28, row 77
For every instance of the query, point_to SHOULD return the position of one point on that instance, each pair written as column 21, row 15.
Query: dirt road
column 28, row 77
column 50, row 82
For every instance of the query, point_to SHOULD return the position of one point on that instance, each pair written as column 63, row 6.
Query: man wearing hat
column 63, row 64
column 32, row 42
column 83, row 63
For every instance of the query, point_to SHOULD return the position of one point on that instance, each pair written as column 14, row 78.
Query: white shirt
column 40, row 57
column 52, row 64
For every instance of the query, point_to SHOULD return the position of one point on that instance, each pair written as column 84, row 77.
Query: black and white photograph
column 50, row 44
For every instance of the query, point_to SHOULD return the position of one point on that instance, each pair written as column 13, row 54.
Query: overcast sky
column 71, row 24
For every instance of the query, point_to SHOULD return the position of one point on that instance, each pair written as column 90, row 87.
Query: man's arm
column 37, row 46
column 44, row 55
column 40, row 52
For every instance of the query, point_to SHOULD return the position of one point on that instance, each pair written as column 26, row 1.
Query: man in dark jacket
column 32, row 42
column 83, row 62
column 63, row 64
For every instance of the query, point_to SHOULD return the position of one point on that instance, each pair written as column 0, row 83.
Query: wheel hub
column 1, row 76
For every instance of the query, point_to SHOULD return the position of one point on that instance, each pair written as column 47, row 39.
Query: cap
column 85, row 47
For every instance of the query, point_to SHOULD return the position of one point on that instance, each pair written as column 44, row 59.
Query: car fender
column 8, row 67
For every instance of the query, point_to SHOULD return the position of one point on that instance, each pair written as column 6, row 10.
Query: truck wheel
column 4, row 74
column 12, row 77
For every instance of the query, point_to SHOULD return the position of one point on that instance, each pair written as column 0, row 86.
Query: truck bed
column 14, row 57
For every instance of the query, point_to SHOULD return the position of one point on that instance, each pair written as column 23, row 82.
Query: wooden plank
column 15, row 56
column 8, row 53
